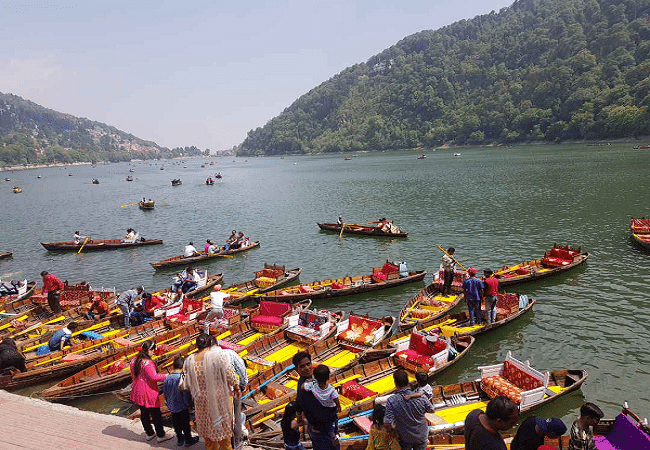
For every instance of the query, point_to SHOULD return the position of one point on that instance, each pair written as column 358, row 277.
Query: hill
column 539, row 70
column 31, row 134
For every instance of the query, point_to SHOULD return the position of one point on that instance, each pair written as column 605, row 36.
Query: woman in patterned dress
column 212, row 380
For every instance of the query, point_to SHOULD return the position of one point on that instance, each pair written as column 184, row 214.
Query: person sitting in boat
column 131, row 236
column 151, row 303
column 62, row 337
column 207, row 246
column 98, row 309
column 231, row 240
column 239, row 241
column 138, row 315
column 190, row 250
column 186, row 281
column 78, row 238
column 213, row 249
column 9, row 289
column 339, row 221
column 403, row 271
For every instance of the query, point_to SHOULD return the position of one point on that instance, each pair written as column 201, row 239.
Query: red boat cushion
column 267, row 320
column 523, row 271
column 305, row 289
column 380, row 276
column 520, row 378
column 551, row 261
column 230, row 345
column 274, row 308
column 336, row 285
column 360, row 330
column 355, row 391
column 496, row 385
column 118, row 366
column 389, row 268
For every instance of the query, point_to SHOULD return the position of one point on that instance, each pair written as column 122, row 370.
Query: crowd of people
column 234, row 241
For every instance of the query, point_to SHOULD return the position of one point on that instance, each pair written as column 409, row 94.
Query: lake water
column 496, row 206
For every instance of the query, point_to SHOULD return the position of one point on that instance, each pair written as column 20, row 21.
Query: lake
column 496, row 206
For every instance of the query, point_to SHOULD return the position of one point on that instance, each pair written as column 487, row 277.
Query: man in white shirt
column 216, row 307
column 190, row 250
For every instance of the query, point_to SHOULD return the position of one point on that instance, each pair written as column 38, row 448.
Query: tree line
column 538, row 70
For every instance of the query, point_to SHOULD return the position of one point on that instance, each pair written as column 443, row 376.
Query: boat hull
column 97, row 244
column 351, row 229
column 181, row 260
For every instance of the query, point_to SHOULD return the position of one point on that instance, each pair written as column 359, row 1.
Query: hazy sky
column 198, row 72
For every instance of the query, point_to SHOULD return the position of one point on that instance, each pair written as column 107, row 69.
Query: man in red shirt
column 491, row 289
column 52, row 286
column 98, row 309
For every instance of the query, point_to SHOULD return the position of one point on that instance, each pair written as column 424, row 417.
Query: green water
column 496, row 206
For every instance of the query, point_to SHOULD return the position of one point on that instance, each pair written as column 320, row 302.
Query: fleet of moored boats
column 362, row 351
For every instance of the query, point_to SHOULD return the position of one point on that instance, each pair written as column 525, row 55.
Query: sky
column 201, row 73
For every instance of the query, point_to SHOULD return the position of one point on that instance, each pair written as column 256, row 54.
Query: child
column 322, row 416
column 423, row 384
column 379, row 438
column 290, row 424
column 179, row 403
column 582, row 438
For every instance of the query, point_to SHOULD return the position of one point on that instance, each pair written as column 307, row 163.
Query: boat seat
column 423, row 353
column 123, row 342
column 360, row 330
column 518, row 381
column 355, row 391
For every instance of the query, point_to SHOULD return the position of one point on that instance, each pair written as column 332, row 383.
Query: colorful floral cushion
column 360, row 330
column 520, row 378
column 497, row 385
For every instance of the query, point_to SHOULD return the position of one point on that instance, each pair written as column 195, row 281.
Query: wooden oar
column 130, row 204
column 511, row 269
column 342, row 228
column 83, row 245
column 443, row 251
column 409, row 310
column 218, row 254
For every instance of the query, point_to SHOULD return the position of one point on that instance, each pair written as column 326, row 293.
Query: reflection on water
column 496, row 206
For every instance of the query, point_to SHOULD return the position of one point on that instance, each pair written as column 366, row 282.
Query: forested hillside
column 539, row 70
column 31, row 134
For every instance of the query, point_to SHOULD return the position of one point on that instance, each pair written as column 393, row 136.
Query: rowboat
column 17, row 190
column 304, row 328
column 373, row 230
column 6, row 254
column 182, row 260
column 41, row 368
column 114, row 370
column 358, row 387
column 24, row 289
column 383, row 277
column 176, row 182
column 146, row 205
column 426, row 306
column 270, row 278
column 640, row 226
column 557, row 260
column 642, row 239
column 205, row 284
column 98, row 244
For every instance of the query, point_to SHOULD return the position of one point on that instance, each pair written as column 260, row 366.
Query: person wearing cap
column 482, row 428
column 533, row 430
column 490, row 291
column 126, row 301
column 216, row 307
column 473, row 288
column 190, row 250
column 448, row 268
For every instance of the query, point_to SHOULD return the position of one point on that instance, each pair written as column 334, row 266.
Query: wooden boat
column 24, row 290
column 98, row 244
column 218, row 175
column 182, row 260
column 358, row 387
column 58, row 364
column 557, row 260
column 129, row 178
column 177, row 182
column 270, row 278
column 6, row 254
column 114, row 370
column 640, row 226
column 17, row 190
column 303, row 329
column 422, row 157
column 383, row 277
column 642, row 239
column 209, row 181
column 641, row 147
column 146, row 205
column 95, row 181
column 426, row 306
column 368, row 230
column 206, row 283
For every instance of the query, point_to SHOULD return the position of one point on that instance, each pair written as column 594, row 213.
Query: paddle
column 130, row 204
column 219, row 254
column 409, row 310
column 342, row 228
column 83, row 245
column 443, row 251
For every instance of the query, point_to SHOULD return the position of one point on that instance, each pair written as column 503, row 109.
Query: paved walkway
column 28, row 423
